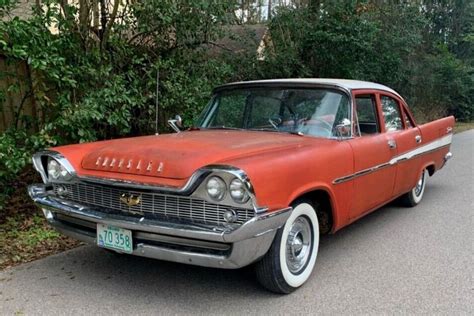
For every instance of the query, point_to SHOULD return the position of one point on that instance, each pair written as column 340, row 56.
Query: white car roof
column 342, row 83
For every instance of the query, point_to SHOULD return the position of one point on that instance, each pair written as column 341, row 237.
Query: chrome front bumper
column 202, row 245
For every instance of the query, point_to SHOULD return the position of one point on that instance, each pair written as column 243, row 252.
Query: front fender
column 320, row 186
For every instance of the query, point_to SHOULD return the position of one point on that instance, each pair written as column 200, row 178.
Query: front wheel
column 415, row 195
column 291, row 258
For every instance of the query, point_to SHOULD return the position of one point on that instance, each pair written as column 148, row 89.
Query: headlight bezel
column 42, row 160
column 227, row 174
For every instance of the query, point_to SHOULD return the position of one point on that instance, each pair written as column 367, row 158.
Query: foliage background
column 94, row 77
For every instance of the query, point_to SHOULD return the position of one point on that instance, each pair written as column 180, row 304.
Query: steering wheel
column 275, row 121
column 327, row 127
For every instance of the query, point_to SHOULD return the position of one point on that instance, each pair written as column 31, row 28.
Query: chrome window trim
column 295, row 85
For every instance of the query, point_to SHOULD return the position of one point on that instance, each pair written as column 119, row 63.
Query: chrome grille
column 152, row 204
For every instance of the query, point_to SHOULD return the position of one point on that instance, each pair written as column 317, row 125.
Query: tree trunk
column 269, row 16
column 107, row 25
column 95, row 14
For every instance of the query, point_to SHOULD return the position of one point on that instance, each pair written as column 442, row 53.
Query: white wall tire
column 415, row 195
column 292, row 256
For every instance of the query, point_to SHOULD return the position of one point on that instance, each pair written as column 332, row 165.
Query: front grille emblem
column 130, row 199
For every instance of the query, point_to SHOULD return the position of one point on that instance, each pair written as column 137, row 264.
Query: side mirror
column 176, row 123
column 344, row 128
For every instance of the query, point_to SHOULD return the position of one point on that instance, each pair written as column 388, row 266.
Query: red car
column 268, row 167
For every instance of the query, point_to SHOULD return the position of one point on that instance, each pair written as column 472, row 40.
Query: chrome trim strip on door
column 361, row 173
column 425, row 149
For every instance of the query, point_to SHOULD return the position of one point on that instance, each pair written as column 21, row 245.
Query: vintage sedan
column 268, row 167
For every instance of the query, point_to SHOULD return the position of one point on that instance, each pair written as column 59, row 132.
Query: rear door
column 406, row 137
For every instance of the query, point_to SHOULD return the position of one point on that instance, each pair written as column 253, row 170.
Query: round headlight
column 216, row 188
column 56, row 171
column 238, row 192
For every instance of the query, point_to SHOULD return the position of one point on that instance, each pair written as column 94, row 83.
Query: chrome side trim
column 361, row 173
column 427, row 148
column 422, row 150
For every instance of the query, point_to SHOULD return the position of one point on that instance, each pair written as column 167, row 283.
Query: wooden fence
column 16, row 98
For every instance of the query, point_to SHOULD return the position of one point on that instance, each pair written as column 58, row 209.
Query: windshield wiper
column 264, row 130
column 276, row 131
column 224, row 127
column 296, row 133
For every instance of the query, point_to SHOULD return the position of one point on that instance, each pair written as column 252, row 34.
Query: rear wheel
column 415, row 195
column 291, row 258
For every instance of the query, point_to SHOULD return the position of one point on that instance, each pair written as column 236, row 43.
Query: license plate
column 115, row 238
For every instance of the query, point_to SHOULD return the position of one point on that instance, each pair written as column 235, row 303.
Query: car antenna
column 157, row 99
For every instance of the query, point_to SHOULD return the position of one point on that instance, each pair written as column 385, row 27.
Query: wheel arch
column 430, row 166
column 327, row 215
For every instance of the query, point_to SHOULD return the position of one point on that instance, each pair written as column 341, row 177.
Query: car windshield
column 314, row 112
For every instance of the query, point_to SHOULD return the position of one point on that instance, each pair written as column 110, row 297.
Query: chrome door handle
column 392, row 144
column 418, row 139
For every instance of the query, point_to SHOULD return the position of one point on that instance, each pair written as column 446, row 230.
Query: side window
column 367, row 114
column 391, row 114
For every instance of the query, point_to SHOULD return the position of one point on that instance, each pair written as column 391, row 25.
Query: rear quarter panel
column 439, row 133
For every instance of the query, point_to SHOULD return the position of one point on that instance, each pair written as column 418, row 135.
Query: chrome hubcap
column 419, row 185
column 298, row 245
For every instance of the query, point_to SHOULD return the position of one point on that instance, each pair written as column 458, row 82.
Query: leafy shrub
column 15, row 152
column 98, row 81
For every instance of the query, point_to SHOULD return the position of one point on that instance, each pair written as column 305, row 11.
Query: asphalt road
column 395, row 260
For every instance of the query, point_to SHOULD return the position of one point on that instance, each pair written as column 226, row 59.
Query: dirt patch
column 463, row 126
column 24, row 233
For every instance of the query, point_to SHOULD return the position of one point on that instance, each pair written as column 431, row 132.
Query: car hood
column 177, row 156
